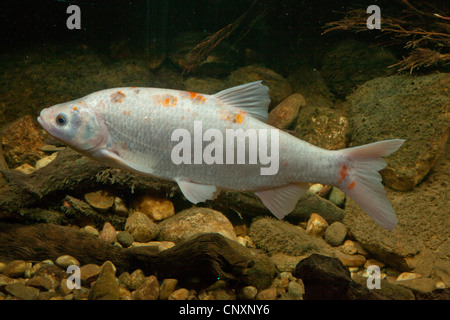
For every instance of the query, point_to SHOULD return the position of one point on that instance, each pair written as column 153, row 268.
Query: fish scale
column 142, row 129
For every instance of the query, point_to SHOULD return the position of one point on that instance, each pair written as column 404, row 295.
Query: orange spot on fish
column 351, row 185
column 182, row 117
column 196, row 97
column 343, row 173
column 117, row 97
column 239, row 118
column 79, row 101
column 286, row 163
column 74, row 108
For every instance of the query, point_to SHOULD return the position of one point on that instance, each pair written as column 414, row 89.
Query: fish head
column 75, row 124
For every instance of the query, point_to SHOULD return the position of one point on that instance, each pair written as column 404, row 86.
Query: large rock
column 141, row 227
column 22, row 142
column 326, row 278
column 351, row 63
column 194, row 221
column 323, row 127
column 405, row 107
column 275, row 236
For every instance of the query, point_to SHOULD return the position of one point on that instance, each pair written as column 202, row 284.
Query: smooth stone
column 125, row 238
column 141, row 227
column 25, row 168
column 15, row 268
column 267, row 294
column 108, row 233
column 21, row 291
column 336, row 233
column 45, row 161
column 66, row 260
column 101, row 200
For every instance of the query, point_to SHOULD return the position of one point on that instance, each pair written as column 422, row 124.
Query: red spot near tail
column 343, row 173
column 351, row 185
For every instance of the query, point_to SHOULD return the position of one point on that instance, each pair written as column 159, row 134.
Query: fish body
column 210, row 142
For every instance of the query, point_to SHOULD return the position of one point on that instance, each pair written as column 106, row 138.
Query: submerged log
column 199, row 261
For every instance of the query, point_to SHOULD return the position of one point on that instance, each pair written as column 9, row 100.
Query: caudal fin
column 361, row 180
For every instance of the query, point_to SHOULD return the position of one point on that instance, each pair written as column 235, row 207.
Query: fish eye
column 61, row 119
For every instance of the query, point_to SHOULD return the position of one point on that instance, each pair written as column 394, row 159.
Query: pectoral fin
column 281, row 201
column 196, row 192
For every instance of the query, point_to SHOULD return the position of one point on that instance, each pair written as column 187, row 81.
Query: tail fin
column 362, row 182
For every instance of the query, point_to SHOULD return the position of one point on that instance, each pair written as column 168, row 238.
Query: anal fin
column 282, row 200
column 196, row 192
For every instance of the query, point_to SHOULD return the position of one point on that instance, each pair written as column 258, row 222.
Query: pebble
column 65, row 261
column 337, row 197
column 125, row 238
column 15, row 268
column 25, row 168
column 149, row 290
column 371, row 262
column 408, row 276
column 5, row 280
column 286, row 263
column 141, row 227
column 180, row 294
column 101, row 200
column 89, row 273
column 349, row 247
column 267, row 294
column 108, row 233
column 316, row 225
column 316, row 188
column 91, row 230
column 106, row 287
column 63, row 289
column 156, row 208
column 351, row 260
column 21, row 291
column 336, row 233
column 247, row 293
column 45, row 161
column 39, row 282
column 119, row 207
column 168, row 286
column 223, row 294
column 2, row 266
column 285, row 113
column 296, row 289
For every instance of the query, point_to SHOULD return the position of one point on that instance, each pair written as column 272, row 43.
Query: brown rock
column 101, row 200
column 180, row 294
column 156, row 208
column 167, row 288
column 108, row 233
column 285, row 113
column 149, row 290
column 323, row 127
column 316, row 225
column 397, row 115
column 21, row 291
column 351, row 260
column 141, row 227
column 106, row 287
column 89, row 273
column 15, row 268
column 22, row 142
column 194, row 221
column 267, row 294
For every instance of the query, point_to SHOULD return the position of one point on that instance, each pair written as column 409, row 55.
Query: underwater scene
column 251, row 150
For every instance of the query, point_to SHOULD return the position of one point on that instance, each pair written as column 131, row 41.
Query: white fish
column 134, row 129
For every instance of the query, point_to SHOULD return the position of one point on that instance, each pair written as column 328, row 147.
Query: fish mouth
column 42, row 122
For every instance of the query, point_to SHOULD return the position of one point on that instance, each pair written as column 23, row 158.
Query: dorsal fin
column 252, row 98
